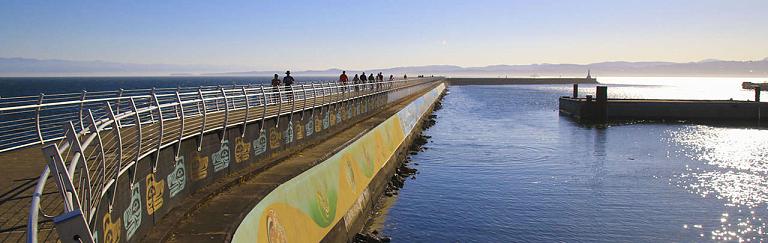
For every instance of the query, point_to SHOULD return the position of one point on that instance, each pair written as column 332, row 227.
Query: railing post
column 247, row 110
column 293, row 104
column 137, row 118
column 279, row 107
column 37, row 118
column 62, row 177
column 161, row 132
column 202, row 126
column 119, row 100
column 226, row 116
column 181, row 117
column 314, row 100
column 82, row 102
column 263, row 112
column 304, row 106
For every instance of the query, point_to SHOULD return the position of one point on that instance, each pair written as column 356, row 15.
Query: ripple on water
column 734, row 171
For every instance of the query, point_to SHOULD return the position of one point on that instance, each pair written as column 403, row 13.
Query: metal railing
column 105, row 134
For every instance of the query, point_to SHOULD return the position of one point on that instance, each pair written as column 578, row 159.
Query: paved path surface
column 20, row 168
column 223, row 212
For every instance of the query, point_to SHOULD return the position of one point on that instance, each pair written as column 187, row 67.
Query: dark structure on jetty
column 503, row 81
column 601, row 109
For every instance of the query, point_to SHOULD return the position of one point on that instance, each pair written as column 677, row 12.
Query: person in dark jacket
column 356, row 81
column 363, row 81
column 275, row 88
column 288, row 82
column 371, row 80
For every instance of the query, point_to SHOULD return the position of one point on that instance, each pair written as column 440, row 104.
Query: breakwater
column 149, row 161
column 330, row 201
column 602, row 109
column 503, row 81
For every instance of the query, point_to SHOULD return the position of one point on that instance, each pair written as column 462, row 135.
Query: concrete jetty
column 506, row 81
column 602, row 109
column 172, row 163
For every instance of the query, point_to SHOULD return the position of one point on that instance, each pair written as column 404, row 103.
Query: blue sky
column 374, row 34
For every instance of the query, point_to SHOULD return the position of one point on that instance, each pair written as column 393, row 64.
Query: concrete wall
column 696, row 110
column 329, row 201
column 502, row 81
column 145, row 196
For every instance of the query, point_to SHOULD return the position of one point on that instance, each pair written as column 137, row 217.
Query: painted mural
column 318, row 123
column 177, row 179
column 221, row 158
column 111, row 229
column 310, row 127
column 260, row 144
column 155, row 191
column 326, row 120
column 132, row 214
column 296, row 212
column 199, row 167
column 274, row 138
column 299, row 131
column 288, row 133
column 242, row 150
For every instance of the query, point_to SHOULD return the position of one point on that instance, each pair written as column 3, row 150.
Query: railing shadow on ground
column 99, row 145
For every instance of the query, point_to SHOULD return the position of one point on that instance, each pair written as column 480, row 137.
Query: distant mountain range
column 709, row 67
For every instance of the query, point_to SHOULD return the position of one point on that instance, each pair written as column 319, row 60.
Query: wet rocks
column 372, row 237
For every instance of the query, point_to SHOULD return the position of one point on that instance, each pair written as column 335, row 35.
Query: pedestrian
column 405, row 76
column 371, row 80
column 288, row 82
column 356, row 81
column 343, row 80
column 363, row 81
column 391, row 77
column 275, row 88
column 379, row 80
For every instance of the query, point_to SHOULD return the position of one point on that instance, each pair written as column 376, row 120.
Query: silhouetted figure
column 275, row 88
column 288, row 82
column 371, row 80
column 391, row 77
column 379, row 79
column 405, row 76
column 343, row 79
column 356, row 81
column 363, row 81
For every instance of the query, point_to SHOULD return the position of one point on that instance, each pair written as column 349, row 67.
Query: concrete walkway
column 214, row 218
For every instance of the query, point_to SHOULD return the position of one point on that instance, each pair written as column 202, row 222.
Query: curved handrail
column 207, row 104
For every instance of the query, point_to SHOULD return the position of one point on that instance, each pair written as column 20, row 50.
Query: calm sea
column 504, row 166
column 34, row 86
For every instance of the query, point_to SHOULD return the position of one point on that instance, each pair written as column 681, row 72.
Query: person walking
column 275, row 88
column 371, row 80
column 343, row 79
column 356, row 81
column 288, row 82
column 391, row 77
column 363, row 81
column 379, row 80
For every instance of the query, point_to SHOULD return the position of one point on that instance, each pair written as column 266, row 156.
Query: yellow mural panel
column 306, row 208
column 242, row 150
column 155, row 191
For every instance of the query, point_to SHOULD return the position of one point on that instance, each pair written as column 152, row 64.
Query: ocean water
column 32, row 86
column 504, row 166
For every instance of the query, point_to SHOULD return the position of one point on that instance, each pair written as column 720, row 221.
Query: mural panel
column 305, row 208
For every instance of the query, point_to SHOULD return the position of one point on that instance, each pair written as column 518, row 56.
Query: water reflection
column 733, row 170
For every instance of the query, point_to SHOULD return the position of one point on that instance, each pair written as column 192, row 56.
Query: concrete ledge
column 503, row 81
